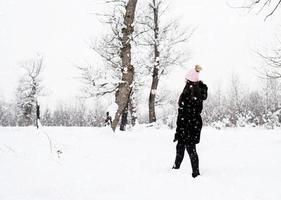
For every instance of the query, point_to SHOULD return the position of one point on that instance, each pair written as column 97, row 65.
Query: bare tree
column 235, row 103
column 28, row 91
column 272, row 61
column 272, row 94
column 97, row 81
column 260, row 5
column 124, row 89
column 235, row 91
column 109, row 48
column 163, row 39
column 106, row 79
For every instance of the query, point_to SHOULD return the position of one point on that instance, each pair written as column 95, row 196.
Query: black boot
column 191, row 149
column 179, row 156
column 195, row 174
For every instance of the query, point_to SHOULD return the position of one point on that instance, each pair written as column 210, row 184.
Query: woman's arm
column 204, row 90
column 181, row 119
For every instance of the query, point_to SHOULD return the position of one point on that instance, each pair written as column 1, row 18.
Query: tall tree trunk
column 123, row 93
column 124, row 119
column 156, row 65
column 132, row 109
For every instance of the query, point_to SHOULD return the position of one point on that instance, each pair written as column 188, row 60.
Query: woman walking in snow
column 189, row 121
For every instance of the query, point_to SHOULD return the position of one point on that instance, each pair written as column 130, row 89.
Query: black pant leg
column 180, row 154
column 191, row 149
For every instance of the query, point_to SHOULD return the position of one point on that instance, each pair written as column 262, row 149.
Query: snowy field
column 95, row 164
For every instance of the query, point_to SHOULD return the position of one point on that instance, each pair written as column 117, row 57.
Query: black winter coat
column 189, row 121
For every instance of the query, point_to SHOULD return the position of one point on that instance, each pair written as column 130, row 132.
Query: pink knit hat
column 193, row 74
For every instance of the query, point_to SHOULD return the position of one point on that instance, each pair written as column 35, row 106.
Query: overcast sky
column 61, row 29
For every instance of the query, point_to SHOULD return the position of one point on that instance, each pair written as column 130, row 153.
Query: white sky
column 61, row 29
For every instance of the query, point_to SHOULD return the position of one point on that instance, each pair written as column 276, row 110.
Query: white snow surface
column 97, row 164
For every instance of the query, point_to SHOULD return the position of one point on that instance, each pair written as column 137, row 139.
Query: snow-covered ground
column 96, row 164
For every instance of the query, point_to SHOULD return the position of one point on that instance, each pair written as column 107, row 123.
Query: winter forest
column 156, row 46
column 96, row 91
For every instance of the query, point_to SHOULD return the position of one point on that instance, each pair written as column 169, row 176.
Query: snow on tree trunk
column 133, row 108
column 124, row 89
column 155, row 74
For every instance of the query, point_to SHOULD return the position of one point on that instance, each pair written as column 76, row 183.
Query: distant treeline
column 234, row 108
